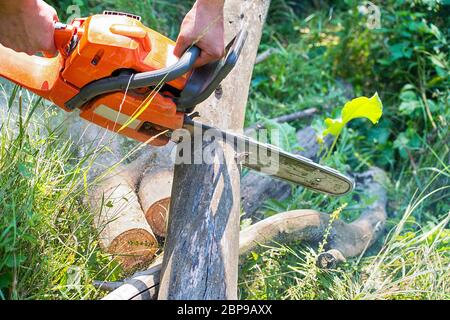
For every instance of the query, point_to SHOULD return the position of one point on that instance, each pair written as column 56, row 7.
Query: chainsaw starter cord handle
column 138, row 80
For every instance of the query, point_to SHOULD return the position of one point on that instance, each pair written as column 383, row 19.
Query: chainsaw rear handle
column 65, row 38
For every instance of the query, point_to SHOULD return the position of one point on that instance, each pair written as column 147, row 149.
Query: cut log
column 345, row 239
column 123, row 230
column 350, row 239
column 155, row 188
column 154, row 195
column 201, row 249
column 119, row 219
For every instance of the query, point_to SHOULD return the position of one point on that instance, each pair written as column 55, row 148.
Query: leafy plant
column 362, row 107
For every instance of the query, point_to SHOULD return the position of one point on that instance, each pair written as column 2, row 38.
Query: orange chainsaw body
column 124, row 77
column 106, row 44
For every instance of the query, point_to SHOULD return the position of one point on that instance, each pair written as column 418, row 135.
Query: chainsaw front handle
column 127, row 80
column 206, row 79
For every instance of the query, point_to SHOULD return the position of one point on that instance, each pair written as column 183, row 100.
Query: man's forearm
column 27, row 25
column 16, row 6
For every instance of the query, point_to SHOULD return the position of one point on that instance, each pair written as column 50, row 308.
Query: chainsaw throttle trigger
column 205, row 80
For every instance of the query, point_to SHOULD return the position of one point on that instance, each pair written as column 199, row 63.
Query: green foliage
column 326, row 57
column 282, row 135
column 162, row 15
column 48, row 246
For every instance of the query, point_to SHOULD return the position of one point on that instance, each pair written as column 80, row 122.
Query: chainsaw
column 110, row 65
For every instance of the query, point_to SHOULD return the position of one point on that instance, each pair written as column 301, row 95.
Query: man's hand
column 203, row 26
column 27, row 26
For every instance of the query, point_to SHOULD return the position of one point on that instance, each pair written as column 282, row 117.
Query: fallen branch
column 350, row 239
column 107, row 285
column 263, row 56
column 345, row 239
column 142, row 285
column 286, row 118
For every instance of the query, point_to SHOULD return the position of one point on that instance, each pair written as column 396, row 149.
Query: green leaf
column 408, row 95
column 408, row 107
column 362, row 107
column 24, row 170
column 410, row 101
column 109, row 204
column 400, row 50
column 6, row 279
column 438, row 61
column 13, row 261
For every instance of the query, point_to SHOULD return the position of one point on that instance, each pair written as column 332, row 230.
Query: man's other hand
column 203, row 26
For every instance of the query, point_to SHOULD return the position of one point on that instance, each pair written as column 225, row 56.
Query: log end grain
column 156, row 216
column 133, row 248
column 330, row 259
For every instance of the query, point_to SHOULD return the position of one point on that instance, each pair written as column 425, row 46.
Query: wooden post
column 202, row 244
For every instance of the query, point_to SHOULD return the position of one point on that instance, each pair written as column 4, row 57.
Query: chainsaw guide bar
column 273, row 161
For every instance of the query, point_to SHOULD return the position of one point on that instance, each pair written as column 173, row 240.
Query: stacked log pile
column 129, row 200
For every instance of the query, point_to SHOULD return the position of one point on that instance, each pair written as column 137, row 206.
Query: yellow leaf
column 334, row 126
column 320, row 139
column 362, row 107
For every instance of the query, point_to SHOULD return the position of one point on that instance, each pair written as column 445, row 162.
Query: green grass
column 48, row 247
column 326, row 56
column 162, row 15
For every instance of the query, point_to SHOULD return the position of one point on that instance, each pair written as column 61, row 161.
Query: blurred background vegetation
column 324, row 56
